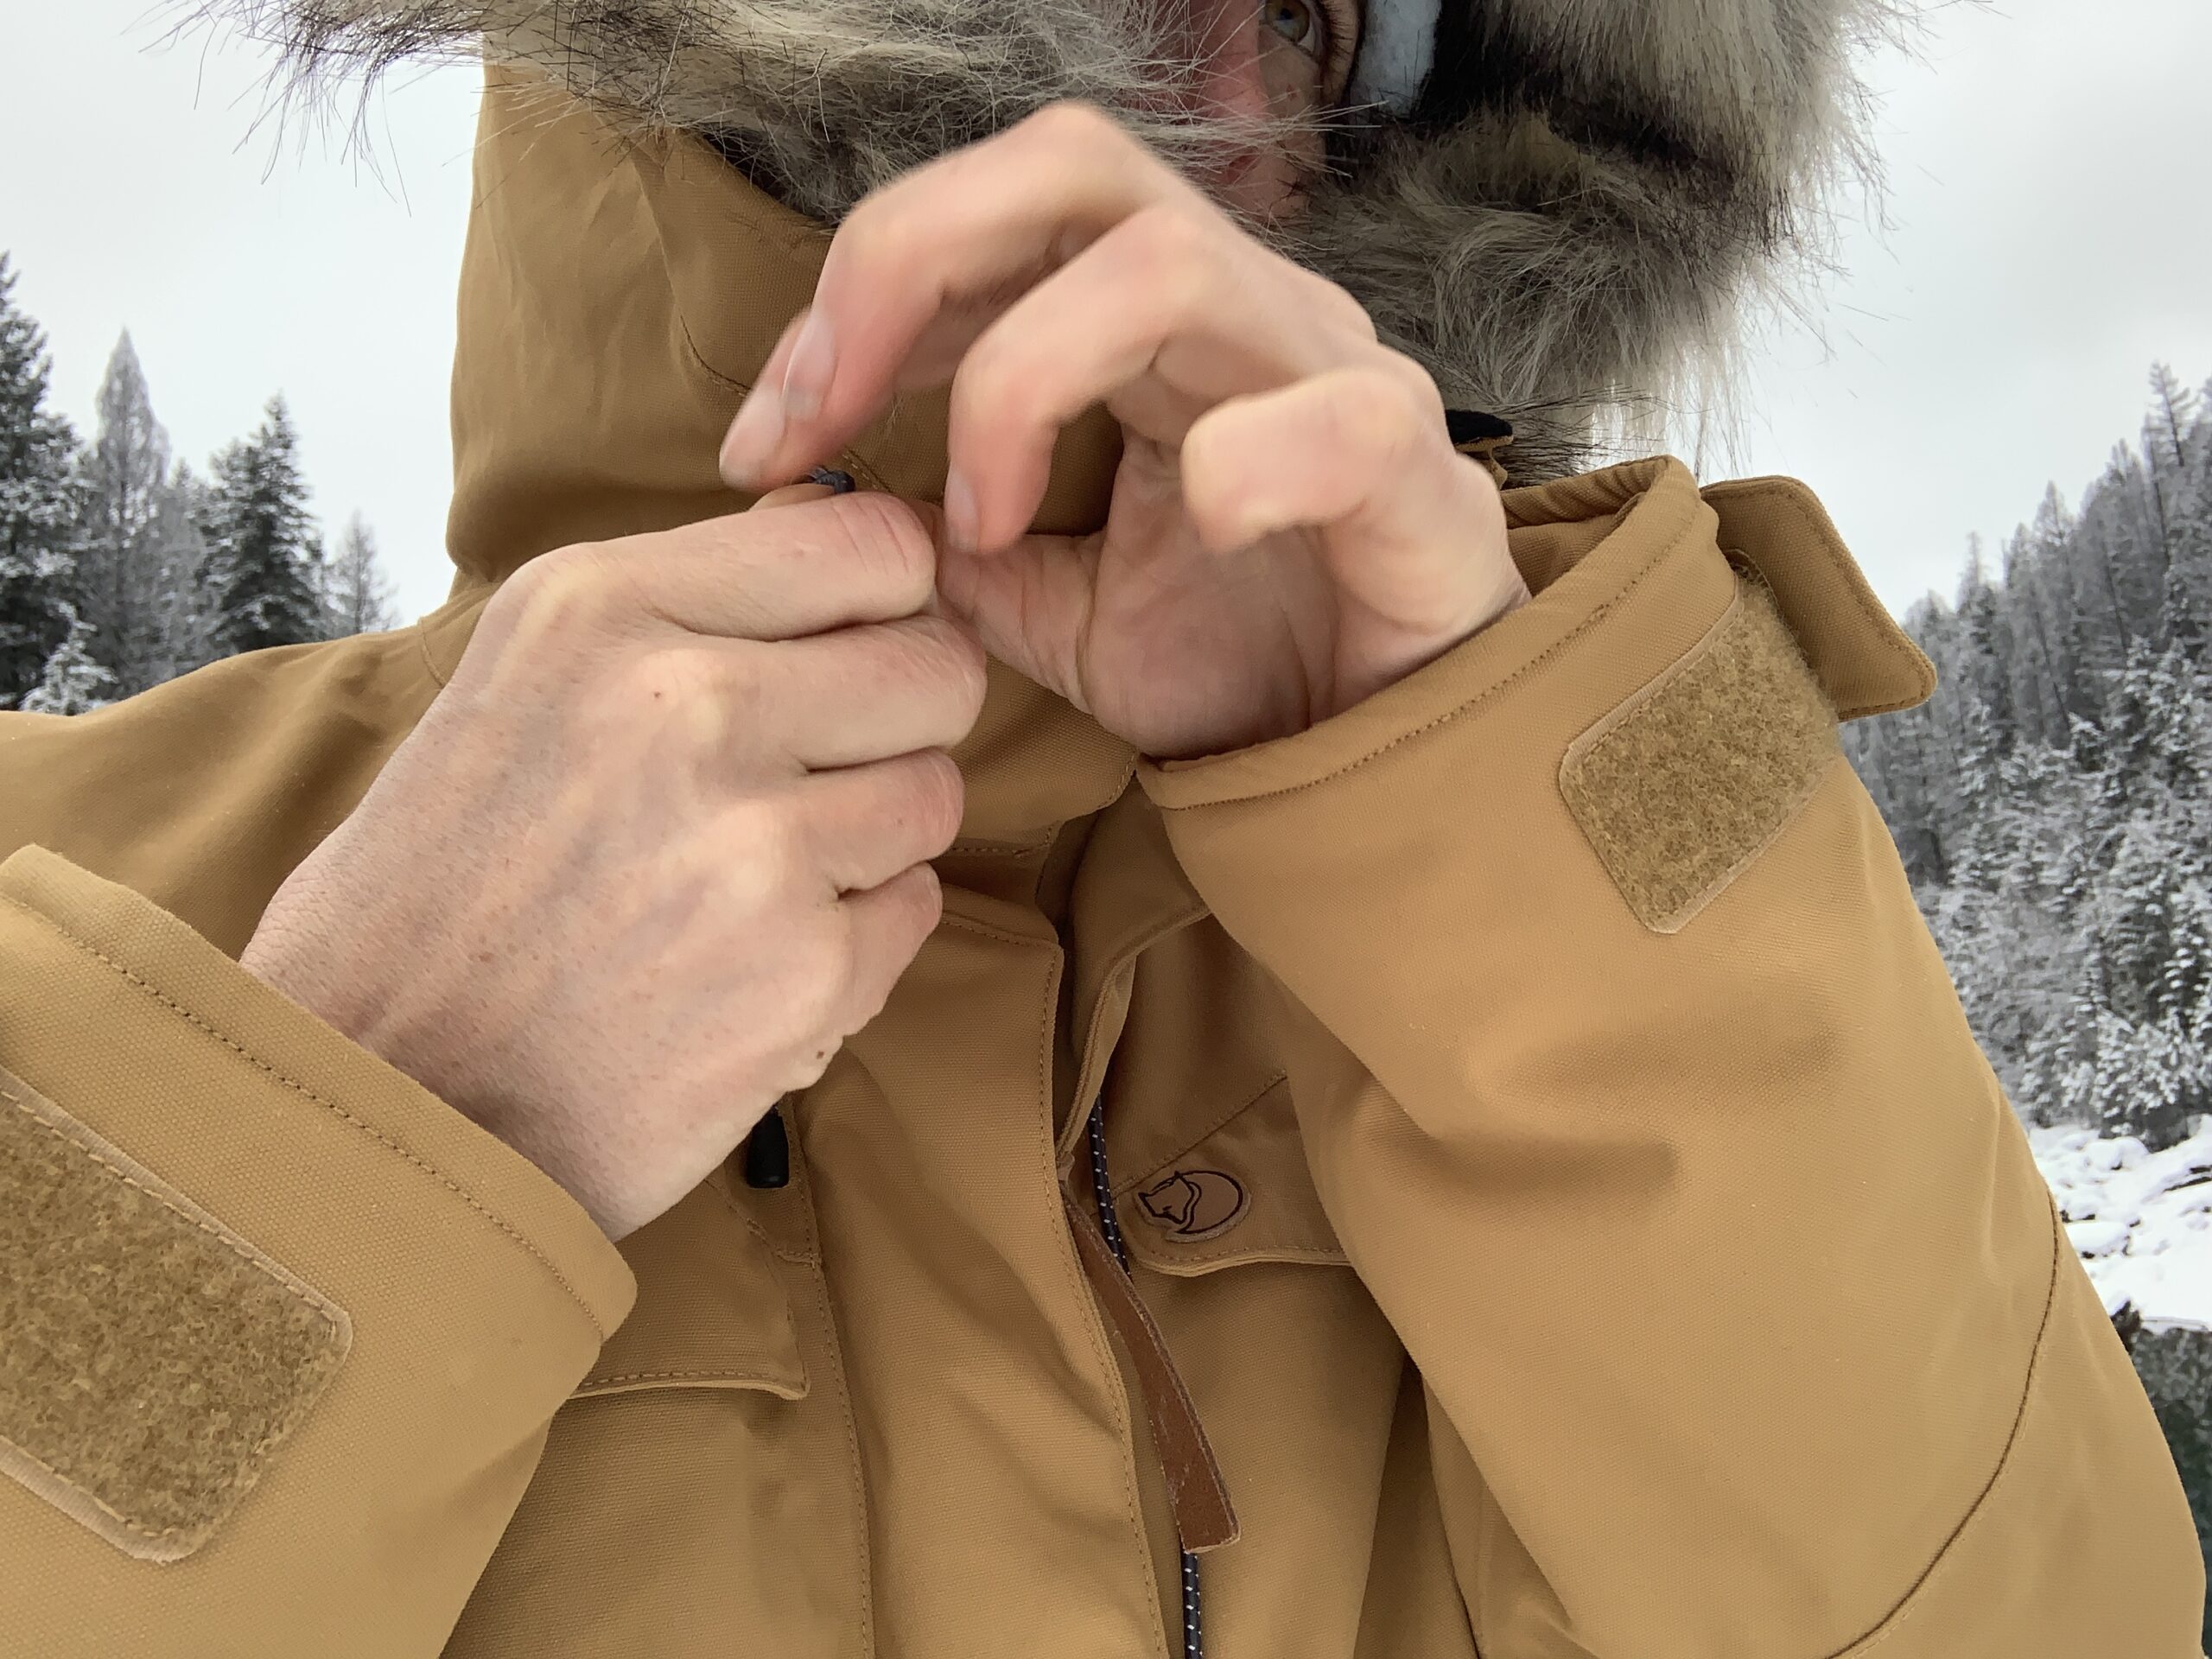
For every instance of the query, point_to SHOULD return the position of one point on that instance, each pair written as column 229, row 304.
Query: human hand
column 1290, row 530
column 658, row 848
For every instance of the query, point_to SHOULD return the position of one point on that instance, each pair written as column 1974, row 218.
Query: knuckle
column 889, row 936
column 878, row 226
column 1390, row 413
column 889, row 547
column 932, row 795
column 768, row 851
column 928, row 907
column 907, row 927
column 1076, row 122
column 819, row 967
column 1418, row 386
column 1337, row 305
column 672, row 677
column 1175, row 256
column 996, row 385
column 556, row 592
column 954, row 659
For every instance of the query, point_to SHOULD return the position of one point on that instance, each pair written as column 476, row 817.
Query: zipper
column 1102, row 1189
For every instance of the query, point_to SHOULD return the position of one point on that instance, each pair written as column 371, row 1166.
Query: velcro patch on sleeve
column 1684, row 784
column 151, row 1360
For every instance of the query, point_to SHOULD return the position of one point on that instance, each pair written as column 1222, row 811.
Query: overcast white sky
column 2047, row 237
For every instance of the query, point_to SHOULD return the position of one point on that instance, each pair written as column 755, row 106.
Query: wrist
column 1384, row 666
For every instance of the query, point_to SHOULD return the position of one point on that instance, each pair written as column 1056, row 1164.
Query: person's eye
column 1298, row 21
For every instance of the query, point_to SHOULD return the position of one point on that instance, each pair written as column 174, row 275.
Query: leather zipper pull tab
column 1196, row 1491
column 766, row 1157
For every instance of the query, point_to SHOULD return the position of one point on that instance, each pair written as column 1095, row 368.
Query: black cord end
column 765, row 1156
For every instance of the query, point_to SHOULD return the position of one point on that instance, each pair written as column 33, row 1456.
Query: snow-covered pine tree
column 37, row 553
column 358, row 595
column 73, row 682
column 263, row 584
column 140, row 550
column 189, row 618
column 2052, row 802
column 2177, row 445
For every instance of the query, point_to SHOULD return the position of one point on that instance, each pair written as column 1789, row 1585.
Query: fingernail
column 813, row 361
column 752, row 437
column 959, row 514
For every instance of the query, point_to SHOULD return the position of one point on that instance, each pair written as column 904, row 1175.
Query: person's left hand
column 1290, row 530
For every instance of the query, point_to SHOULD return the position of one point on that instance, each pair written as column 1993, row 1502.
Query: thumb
column 1029, row 603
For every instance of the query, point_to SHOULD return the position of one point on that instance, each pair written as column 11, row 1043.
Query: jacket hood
column 1556, row 206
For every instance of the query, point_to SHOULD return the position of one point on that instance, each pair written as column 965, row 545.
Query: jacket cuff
column 1450, row 781
column 274, row 1293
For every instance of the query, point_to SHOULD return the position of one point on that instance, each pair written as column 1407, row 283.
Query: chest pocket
column 1239, row 1192
column 714, row 1295
column 703, row 1477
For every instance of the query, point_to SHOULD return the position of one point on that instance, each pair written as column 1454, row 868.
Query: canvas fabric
column 1570, row 1251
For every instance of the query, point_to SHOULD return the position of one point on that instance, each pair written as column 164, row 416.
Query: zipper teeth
column 1102, row 1189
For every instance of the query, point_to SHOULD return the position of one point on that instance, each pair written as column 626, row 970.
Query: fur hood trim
column 1563, row 229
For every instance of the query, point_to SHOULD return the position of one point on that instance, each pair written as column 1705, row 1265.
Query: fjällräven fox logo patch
column 1195, row 1203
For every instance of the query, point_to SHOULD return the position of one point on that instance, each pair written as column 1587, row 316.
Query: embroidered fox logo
column 1192, row 1203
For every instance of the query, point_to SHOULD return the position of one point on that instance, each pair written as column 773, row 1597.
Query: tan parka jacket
column 1550, row 1150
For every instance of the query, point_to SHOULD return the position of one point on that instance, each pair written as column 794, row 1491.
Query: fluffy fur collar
column 1561, row 231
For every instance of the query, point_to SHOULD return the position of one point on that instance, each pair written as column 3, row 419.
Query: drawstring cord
column 1194, row 1634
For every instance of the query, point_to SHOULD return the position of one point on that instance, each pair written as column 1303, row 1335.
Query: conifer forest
column 122, row 565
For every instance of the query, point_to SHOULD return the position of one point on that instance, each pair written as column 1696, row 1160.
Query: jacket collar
column 618, row 296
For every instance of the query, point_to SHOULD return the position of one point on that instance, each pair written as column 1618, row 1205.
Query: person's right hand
column 660, row 846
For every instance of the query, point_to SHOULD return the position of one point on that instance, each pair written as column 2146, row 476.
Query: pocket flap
column 1243, row 1193
column 713, row 1309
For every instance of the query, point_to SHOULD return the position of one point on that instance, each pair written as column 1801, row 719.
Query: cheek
column 1289, row 80
column 1249, row 66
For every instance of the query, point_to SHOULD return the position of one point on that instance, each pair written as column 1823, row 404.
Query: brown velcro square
column 1687, row 782
column 151, row 1361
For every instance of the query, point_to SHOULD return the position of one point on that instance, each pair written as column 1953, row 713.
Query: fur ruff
column 1563, row 231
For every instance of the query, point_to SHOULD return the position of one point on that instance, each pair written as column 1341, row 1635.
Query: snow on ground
column 2141, row 1220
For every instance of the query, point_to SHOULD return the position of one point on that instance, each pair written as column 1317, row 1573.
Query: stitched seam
column 424, row 636
column 1094, row 1322
column 1207, row 1471
column 1861, row 711
column 731, row 1372
column 855, row 1476
column 1266, row 1253
column 1633, row 708
column 429, row 663
column 1489, row 694
column 332, row 1106
column 796, row 1257
column 1206, row 1133
column 113, row 1514
column 1894, row 1619
column 1123, row 958
column 967, row 924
